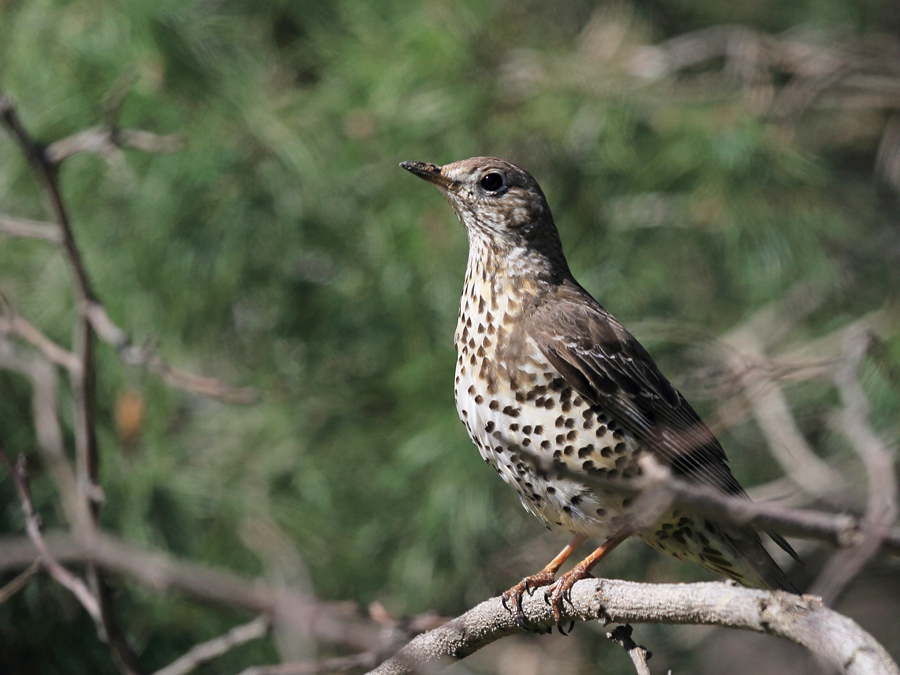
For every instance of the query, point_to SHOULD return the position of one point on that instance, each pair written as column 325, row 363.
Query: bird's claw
column 561, row 592
column 512, row 599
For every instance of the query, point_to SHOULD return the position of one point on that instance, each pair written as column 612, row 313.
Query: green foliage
column 284, row 249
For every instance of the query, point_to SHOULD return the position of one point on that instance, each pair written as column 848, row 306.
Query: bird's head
column 494, row 199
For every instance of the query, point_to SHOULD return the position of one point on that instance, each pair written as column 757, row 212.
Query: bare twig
column 743, row 351
column 327, row 622
column 878, row 459
column 11, row 322
column 147, row 357
column 30, row 229
column 621, row 635
column 213, row 649
column 44, row 410
column 19, row 582
column 106, row 140
column 83, row 379
column 803, row 620
column 340, row 664
column 33, row 528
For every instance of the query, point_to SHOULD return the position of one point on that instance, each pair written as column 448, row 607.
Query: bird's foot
column 512, row 599
column 561, row 591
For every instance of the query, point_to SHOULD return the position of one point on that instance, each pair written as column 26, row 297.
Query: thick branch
column 803, row 620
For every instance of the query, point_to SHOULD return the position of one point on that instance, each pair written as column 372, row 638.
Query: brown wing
column 601, row 360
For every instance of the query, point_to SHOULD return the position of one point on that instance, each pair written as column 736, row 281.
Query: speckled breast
column 518, row 409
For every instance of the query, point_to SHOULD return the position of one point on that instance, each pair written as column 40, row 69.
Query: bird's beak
column 430, row 172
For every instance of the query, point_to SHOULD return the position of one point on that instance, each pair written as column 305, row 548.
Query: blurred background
column 717, row 171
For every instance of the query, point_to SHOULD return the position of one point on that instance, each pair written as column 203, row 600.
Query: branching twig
column 878, row 459
column 147, row 357
column 106, row 140
column 33, row 528
column 11, row 322
column 83, row 379
column 44, row 410
column 327, row 622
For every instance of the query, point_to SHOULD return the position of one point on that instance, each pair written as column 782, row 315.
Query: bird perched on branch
column 560, row 398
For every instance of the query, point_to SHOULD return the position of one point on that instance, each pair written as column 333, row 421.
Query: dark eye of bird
column 492, row 182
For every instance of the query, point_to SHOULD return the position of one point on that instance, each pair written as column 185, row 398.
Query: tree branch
column 803, row 620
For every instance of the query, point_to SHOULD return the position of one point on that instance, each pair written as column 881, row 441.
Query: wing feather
column 604, row 363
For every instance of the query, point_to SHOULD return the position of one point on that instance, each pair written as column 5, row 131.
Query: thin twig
column 148, row 358
column 11, row 322
column 105, row 141
column 20, row 581
column 878, row 459
column 639, row 656
column 212, row 649
column 83, row 380
column 339, row 664
column 33, row 528
column 44, row 410
column 29, row 229
column 336, row 623
column 775, row 420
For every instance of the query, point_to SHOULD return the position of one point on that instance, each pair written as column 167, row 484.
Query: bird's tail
column 763, row 571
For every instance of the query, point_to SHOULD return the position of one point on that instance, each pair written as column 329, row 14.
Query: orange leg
column 561, row 590
column 543, row 578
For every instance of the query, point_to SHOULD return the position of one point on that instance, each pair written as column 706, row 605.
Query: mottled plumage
column 545, row 373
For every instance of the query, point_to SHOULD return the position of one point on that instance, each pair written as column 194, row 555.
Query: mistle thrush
column 554, row 392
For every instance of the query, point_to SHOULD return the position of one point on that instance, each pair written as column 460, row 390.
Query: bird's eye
column 492, row 182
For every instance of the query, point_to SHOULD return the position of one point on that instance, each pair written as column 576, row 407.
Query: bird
column 560, row 399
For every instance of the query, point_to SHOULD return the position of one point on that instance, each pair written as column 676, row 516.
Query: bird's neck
column 502, row 282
